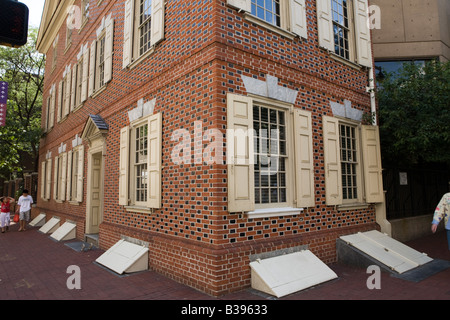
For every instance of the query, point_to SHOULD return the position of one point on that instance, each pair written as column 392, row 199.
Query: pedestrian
column 24, row 209
column 5, row 217
column 442, row 212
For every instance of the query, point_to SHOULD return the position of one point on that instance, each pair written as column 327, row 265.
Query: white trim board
column 289, row 273
column 125, row 257
column 390, row 252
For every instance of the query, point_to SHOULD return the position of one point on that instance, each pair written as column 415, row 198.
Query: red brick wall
column 207, row 48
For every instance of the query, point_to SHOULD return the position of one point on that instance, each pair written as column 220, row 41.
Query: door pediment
column 95, row 128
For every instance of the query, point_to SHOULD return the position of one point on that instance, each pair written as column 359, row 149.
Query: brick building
column 211, row 130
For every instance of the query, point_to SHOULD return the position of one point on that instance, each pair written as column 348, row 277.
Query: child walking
column 442, row 212
column 24, row 209
column 5, row 217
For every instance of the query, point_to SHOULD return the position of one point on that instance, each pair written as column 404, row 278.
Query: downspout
column 371, row 90
column 380, row 208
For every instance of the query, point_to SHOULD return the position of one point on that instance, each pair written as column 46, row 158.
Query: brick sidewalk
column 34, row 267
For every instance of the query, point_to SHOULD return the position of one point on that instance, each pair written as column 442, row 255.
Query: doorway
column 94, row 212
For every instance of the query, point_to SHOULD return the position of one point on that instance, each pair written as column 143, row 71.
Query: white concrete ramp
column 65, row 232
column 39, row 221
column 289, row 273
column 50, row 226
column 125, row 257
column 388, row 251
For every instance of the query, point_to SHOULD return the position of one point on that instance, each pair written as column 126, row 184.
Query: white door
column 96, row 193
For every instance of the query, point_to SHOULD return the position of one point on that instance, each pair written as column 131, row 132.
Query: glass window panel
column 270, row 176
column 268, row 10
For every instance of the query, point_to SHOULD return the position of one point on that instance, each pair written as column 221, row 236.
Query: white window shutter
column 69, row 176
column 84, row 81
column 60, row 103
column 62, row 186
column 74, row 87
column 373, row 177
column 43, row 176
column 154, row 160
column 157, row 23
column 80, row 174
column 52, row 108
column 332, row 161
column 124, row 166
column 67, row 92
column 240, row 155
column 245, row 5
column 325, row 24
column 109, row 46
column 92, row 63
column 128, row 33
column 362, row 33
column 48, row 179
column 55, row 179
column 304, row 160
column 299, row 23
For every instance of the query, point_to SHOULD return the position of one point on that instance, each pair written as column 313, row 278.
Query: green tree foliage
column 23, row 69
column 414, row 114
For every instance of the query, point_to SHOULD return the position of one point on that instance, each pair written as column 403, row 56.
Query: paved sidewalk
column 34, row 267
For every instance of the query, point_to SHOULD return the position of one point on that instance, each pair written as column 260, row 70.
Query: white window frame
column 47, row 115
column 131, row 48
column 56, row 177
column 79, row 83
column 293, row 17
column 359, row 38
column 127, row 153
column 289, row 158
column 132, row 162
column 84, row 12
column 350, row 28
column 55, row 53
column 240, row 158
column 101, row 57
column 69, row 34
column 100, row 62
column 74, row 180
column 46, row 167
column 358, row 164
column 137, row 49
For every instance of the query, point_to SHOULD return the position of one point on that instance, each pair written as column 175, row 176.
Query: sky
column 35, row 8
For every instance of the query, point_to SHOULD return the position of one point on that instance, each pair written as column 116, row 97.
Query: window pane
column 348, row 162
column 145, row 16
column 268, row 10
column 340, row 27
column 270, row 155
column 140, row 171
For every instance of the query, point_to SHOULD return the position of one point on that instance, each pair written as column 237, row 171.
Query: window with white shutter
column 101, row 56
column 73, row 89
column 288, row 15
column 269, row 157
column 352, row 162
column 48, row 179
column 45, row 176
column 75, row 171
column 140, row 163
column 56, row 177
column 60, row 101
column 52, row 107
column 67, row 92
column 143, row 28
column 343, row 29
column 42, row 178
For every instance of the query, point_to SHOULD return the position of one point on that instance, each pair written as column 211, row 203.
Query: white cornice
column 53, row 18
